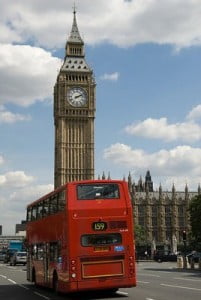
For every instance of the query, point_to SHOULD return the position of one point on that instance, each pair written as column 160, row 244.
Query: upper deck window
column 97, row 191
column 46, row 207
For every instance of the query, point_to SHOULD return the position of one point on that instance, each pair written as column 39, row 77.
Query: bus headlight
column 73, row 275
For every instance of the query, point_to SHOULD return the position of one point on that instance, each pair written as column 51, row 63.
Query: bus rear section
column 100, row 231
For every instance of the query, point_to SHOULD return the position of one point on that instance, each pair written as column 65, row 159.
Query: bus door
column 29, row 257
column 46, row 262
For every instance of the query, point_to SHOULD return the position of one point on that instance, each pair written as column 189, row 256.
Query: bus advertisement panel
column 80, row 237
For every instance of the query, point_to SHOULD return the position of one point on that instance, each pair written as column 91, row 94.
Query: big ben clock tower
column 74, row 113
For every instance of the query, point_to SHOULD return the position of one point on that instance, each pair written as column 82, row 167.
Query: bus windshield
column 97, row 191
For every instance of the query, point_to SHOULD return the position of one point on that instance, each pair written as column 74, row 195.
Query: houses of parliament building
column 163, row 214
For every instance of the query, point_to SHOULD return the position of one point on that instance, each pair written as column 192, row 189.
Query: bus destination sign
column 99, row 226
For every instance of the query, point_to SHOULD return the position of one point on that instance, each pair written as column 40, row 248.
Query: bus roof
column 63, row 187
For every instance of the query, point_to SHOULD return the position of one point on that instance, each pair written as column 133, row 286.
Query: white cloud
column 15, row 179
column 32, row 68
column 111, row 77
column 9, row 117
column 28, row 194
column 195, row 113
column 179, row 161
column 180, row 182
column 123, row 23
column 160, row 129
column 13, row 202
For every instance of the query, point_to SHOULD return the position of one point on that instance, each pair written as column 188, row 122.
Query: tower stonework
column 74, row 114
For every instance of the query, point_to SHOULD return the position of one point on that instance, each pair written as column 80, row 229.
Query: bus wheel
column 55, row 282
column 33, row 276
column 109, row 291
column 112, row 291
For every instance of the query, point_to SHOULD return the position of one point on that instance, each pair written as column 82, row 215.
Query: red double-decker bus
column 80, row 237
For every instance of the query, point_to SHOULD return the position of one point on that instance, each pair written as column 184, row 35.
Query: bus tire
column 108, row 291
column 33, row 276
column 112, row 291
column 55, row 282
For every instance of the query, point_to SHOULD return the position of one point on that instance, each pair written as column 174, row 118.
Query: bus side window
column 53, row 204
column 61, row 201
column 40, row 251
column 34, row 213
column 29, row 214
column 54, row 251
column 40, row 210
column 45, row 210
column 34, row 251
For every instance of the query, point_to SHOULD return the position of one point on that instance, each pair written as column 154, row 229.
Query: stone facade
column 74, row 113
column 163, row 214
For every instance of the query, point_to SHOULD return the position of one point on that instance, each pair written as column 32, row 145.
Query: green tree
column 195, row 219
column 140, row 235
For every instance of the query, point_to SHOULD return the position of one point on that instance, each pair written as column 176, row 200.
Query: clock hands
column 77, row 96
column 80, row 95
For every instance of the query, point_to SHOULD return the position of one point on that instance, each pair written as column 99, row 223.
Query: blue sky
column 146, row 60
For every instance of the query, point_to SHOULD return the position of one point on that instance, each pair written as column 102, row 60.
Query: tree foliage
column 195, row 217
column 140, row 235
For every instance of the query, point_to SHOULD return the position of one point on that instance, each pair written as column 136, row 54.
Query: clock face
column 77, row 97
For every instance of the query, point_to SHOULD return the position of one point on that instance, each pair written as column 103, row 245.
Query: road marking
column 3, row 276
column 180, row 287
column 180, row 278
column 122, row 293
column 150, row 299
column 14, row 282
column 142, row 281
column 41, row 295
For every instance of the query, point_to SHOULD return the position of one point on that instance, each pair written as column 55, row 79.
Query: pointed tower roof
column 74, row 60
column 103, row 176
column 75, row 35
column 186, row 188
column 173, row 188
column 199, row 189
column 160, row 189
column 129, row 179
